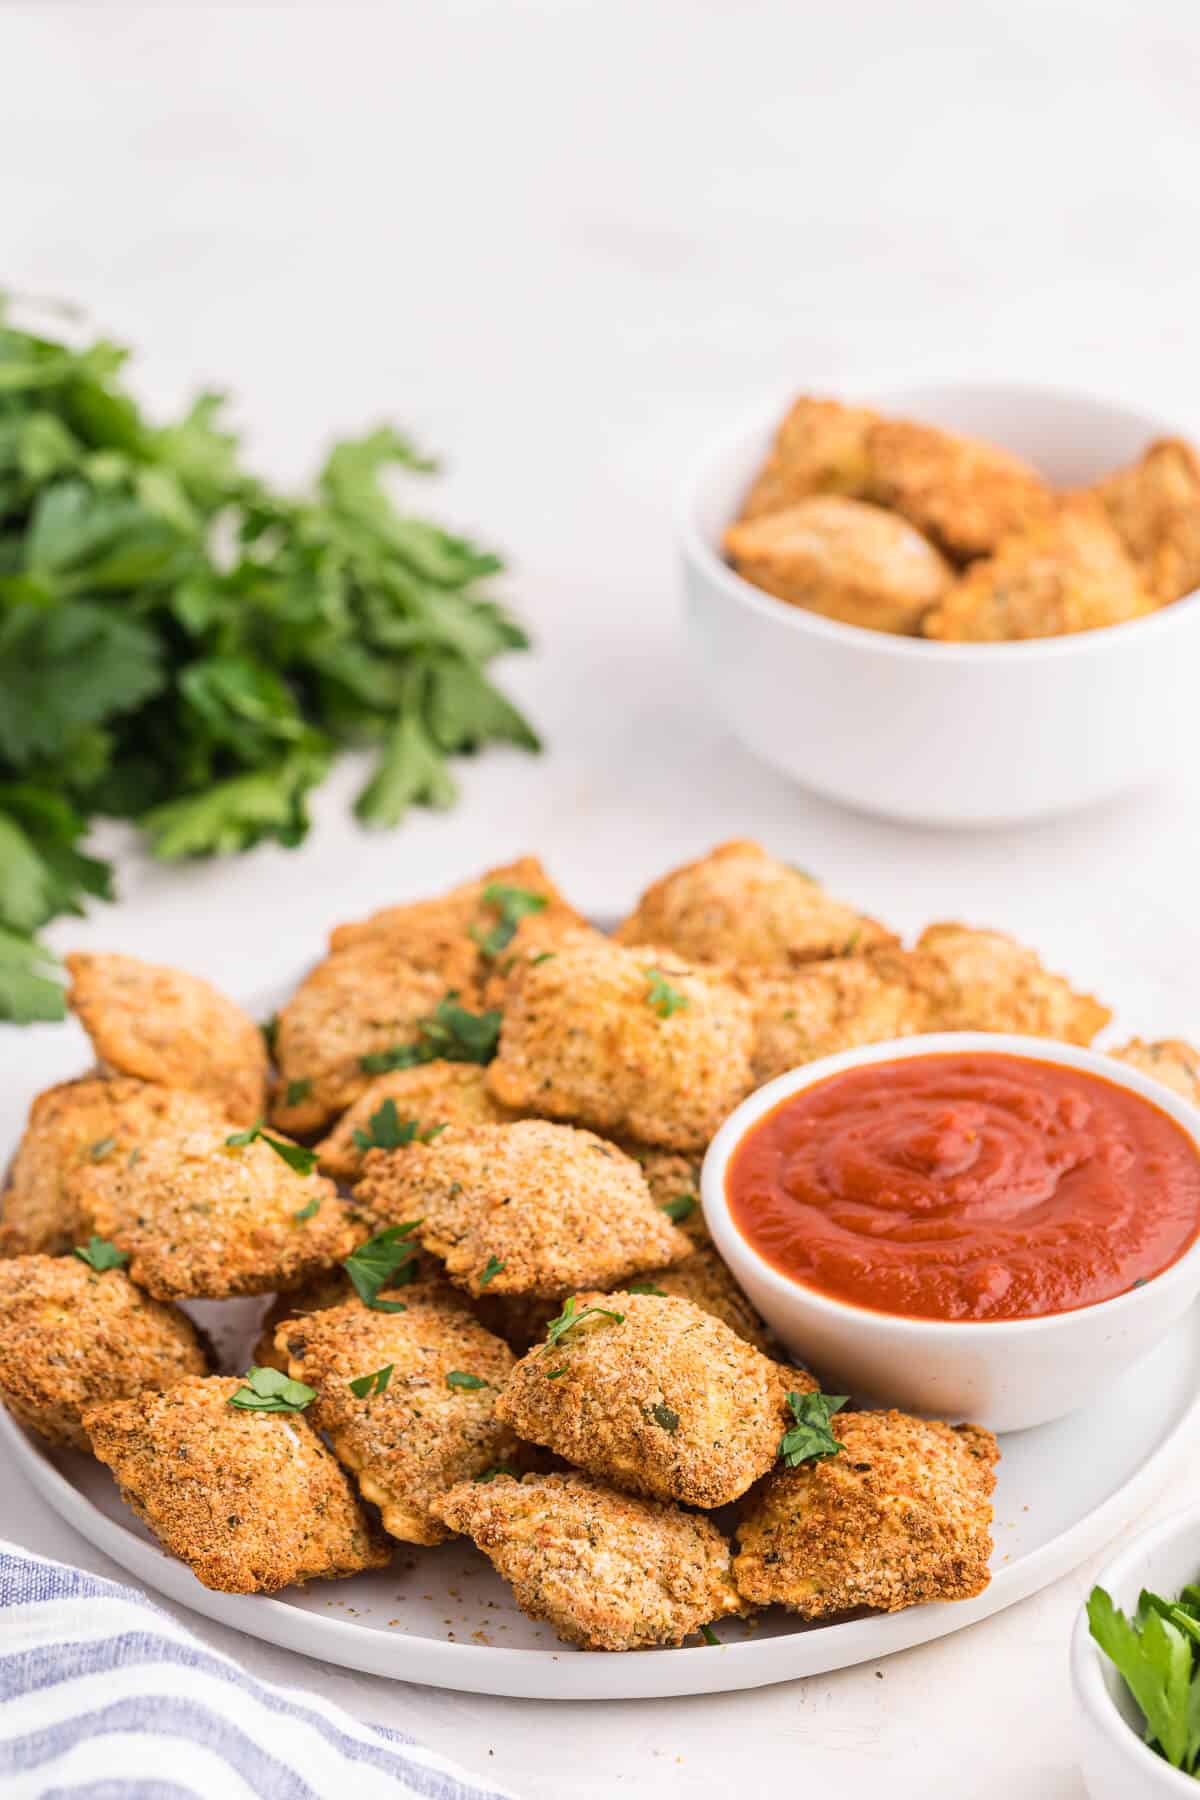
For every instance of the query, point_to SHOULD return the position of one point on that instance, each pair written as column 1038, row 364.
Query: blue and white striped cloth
column 103, row 1696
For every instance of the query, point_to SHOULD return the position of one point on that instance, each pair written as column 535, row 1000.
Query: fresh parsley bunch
column 1158, row 1653
column 185, row 648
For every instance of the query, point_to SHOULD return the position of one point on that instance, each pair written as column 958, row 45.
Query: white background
column 563, row 244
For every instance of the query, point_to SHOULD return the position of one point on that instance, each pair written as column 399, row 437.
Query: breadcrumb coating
column 737, row 905
column 1063, row 573
column 75, row 1133
column 163, row 1025
column 665, row 1400
column 357, row 1002
column 555, row 1208
column 203, row 1219
column 71, row 1338
column 704, row 1278
column 842, row 559
column 986, row 981
column 251, row 1501
column 590, row 1037
column 608, row 1572
column 900, row 1516
column 432, row 1094
column 1154, row 506
column 820, row 447
column 333, row 1288
column 835, row 1005
column 1170, row 1060
column 423, row 1433
column 964, row 494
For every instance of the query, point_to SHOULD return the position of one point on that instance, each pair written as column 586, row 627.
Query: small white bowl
column 1005, row 1374
column 945, row 734
column 1117, row 1765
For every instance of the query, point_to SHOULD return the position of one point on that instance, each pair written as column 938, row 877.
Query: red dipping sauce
column 973, row 1187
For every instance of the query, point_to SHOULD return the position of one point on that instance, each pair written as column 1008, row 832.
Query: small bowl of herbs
column 1135, row 1667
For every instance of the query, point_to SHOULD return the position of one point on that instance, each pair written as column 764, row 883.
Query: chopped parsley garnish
column 666, row 1416
column 681, row 1208
column 270, row 1032
column 498, row 1469
column 270, row 1390
column 99, row 1254
column 809, row 1438
column 298, row 1091
column 535, row 962
column 491, row 1270
column 308, row 1212
column 294, row 1155
column 709, row 1635
column 450, row 1034
column 458, row 1379
column 386, row 1260
column 513, row 904
column 662, row 996
column 1158, row 1653
column 645, row 1287
column 554, row 1374
column 387, row 1131
column 376, row 1383
column 102, row 1148
column 570, row 1316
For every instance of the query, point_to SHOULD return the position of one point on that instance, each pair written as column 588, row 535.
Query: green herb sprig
column 386, row 1260
column 387, row 1131
column 270, row 1390
column 512, row 904
column 99, row 1254
column 571, row 1316
column 662, row 997
column 450, row 1034
column 294, row 1155
column 1158, row 1653
column 810, row 1438
column 369, row 1385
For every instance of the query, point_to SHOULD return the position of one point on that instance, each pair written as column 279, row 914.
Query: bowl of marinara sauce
column 969, row 1224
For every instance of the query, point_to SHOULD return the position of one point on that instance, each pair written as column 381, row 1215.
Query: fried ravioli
column 1154, row 505
column 820, row 447
column 986, row 981
column 428, row 1097
column 842, row 559
column 1064, row 573
column 72, row 1338
column 705, row 1280
column 76, row 1133
column 834, row 1005
column 629, row 1042
column 741, row 907
column 163, row 1025
column 606, row 1571
column 1169, row 1060
column 251, row 1501
column 529, row 1208
column 434, row 1422
column 964, row 494
column 205, row 1219
column 900, row 1516
column 662, row 1399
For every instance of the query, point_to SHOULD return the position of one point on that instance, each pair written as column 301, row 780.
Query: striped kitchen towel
column 103, row 1696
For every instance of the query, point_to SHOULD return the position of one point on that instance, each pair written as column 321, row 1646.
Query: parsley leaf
column 570, row 1316
column 682, row 1207
column 809, row 1438
column 709, row 1635
column 308, row 1212
column 491, row 1269
column 450, row 1034
column 270, row 1390
column 297, row 1091
column 386, row 1260
column 30, row 987
column 457, row 1379
column 294, row 1155
column 375, row 1383
column 644, row 1287
column 660, row 995
column 1157, row 1661
column 513, row 904
column 99, row 1254
column 388, row 1132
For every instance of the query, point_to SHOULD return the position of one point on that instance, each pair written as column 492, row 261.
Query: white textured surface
column 564, row 243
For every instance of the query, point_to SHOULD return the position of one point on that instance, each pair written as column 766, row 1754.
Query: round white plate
column 442, row 1617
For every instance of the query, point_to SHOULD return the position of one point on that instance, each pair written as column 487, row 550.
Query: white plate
column 443, row 1618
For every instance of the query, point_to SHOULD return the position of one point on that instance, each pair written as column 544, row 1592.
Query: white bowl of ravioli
column 955, row 734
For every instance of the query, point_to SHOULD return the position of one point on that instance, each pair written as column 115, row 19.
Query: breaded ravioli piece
column 655, row 1395
column 72, row 1337
column 333, row 1288
column 251, row 1501
column 834, row 1005
column 608, row 1572
column 434, row 1422
column 523, row 1208
column 738, row 905
column 76, row 1133
column 201, row 1218
column 631, row 1042
column 842, row 559
column 1063, row 573
column 898, row 1517
column 426, row 1099
column 964, row 494
column 357, row 1003
column 1170, row 1060
column 704, row 1278
column 820, row 447
column 163, row 1025
column 987, row 981
column 1154, row 506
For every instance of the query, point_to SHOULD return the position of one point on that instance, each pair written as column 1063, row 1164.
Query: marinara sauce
column 970, row 1187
